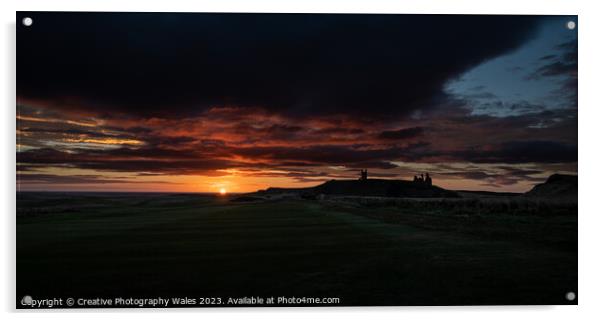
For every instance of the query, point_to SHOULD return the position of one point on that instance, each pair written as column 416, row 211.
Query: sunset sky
column 241, row 102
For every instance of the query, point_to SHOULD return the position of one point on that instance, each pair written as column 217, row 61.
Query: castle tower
column 363, row 174
column 429, row 180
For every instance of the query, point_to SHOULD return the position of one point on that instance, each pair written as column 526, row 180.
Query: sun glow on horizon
column 222, row 191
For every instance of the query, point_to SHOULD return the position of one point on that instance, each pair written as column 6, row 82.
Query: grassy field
column 144, row 245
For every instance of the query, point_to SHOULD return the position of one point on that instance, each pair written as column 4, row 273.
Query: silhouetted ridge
column 382, row 187
column 369, row 187
column 557, row 186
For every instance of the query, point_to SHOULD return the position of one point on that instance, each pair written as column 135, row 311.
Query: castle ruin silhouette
column 363, row 175
column 423, row 179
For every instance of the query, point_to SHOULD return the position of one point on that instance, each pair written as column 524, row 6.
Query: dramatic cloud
column 257, row 100
column 170, row 65
column 77, row 179
column 524, row 152
column 563, row 65
column 404, row 133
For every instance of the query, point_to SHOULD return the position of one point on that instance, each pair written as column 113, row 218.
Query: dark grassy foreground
column 365, row 253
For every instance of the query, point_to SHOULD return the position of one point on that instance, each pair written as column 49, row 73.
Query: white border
column 589, row 154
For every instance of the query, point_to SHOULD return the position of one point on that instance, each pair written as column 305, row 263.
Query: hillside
column 556, row 186
column 369, row 187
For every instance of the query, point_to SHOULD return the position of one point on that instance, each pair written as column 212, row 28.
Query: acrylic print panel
column 203, row 160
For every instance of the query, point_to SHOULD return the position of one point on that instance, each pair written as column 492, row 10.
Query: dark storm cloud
column 556, row 68
column 547, row 57
column 522, row 152
column 129, row 160
column 77, row 179
column 565, row 64
column 172, row 141
column 546, row 137
column 477, row 175
column 375, row 164
column 501, row 178
column 340, row 130
column 404, row 133
column 279, row 131
column 512, row 171
column 331, row 154
column 207, row 160
column 174, row 65
column 495, row 176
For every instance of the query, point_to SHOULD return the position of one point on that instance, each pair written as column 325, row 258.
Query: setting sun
column 222, row 191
